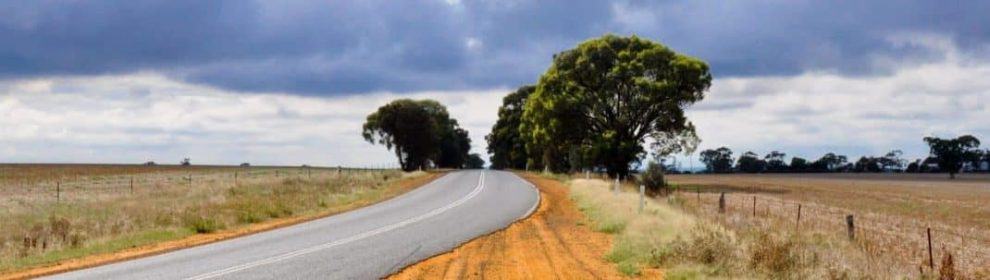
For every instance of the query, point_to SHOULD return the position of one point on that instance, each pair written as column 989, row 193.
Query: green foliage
column 605, row 97
column 200, row 224
column 798, row 164
column 475, row 162
column 419, row 131
column 750, row 162
column 717, row 160
column 504, row 142
column 653, row 179
column 775, row 161
column 952, row 153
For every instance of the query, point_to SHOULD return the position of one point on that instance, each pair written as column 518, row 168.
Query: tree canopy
column 420, row 132
column 604, row 98
column 750, row 162
column 717, row 160
column 952, row 153
column 505, row 145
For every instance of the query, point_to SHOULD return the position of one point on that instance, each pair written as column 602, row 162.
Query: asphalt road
column 367, row 243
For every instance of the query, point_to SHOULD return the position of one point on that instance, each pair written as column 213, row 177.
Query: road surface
column 367, row 243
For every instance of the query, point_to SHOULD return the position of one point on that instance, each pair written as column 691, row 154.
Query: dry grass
column 892, row 212
column 639, row 237
column 98, row 212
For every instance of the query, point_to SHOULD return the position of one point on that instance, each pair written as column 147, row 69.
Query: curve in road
column 366, row 243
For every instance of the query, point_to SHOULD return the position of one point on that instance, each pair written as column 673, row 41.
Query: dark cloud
column 343, row 47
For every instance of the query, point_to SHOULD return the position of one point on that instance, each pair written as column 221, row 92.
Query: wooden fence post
column 721, row 203
column 132, row 184
column 58, row 191
column 754, row 206
column 851, row 227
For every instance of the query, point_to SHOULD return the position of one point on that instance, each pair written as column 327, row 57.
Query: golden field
column 892, row 214
column 53, row 213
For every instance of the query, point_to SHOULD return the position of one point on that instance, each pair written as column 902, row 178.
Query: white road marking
column 289, row 255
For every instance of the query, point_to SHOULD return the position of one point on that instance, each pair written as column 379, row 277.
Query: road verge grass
column 72, row 236
column 669, row 234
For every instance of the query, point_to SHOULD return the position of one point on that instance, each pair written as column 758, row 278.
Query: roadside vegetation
column 95, row 214
column 685, row 236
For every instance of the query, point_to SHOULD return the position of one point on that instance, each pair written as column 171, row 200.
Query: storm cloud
column 355, row 47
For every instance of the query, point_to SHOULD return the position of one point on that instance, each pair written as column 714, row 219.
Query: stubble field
column 892, row 215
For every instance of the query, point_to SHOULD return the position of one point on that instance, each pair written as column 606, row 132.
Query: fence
column 63, row 188
column 912, row 241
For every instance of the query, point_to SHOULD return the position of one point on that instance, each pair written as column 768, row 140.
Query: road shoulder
column 552, row 243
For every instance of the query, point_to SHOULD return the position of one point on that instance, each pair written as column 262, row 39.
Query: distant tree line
column 946, row 155
column 598, row 105
column 422, row 134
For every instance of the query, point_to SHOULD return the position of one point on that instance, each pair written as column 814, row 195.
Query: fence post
column 132, row 184
column 58, row 191
column 721, row 203
column 931, row 259
column 235, row 178
column 851, row 227
column 754, row 206
column 798, row 224
column 615, row 191
column 642, row 197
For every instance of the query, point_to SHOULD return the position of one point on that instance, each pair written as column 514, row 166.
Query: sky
column 290, row 82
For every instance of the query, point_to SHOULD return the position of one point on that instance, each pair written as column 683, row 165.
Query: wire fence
column 66, row 188
column 915, row 243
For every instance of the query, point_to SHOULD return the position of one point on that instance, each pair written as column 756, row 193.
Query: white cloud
column 134, row 118
column 816, row 112
column 146, row 116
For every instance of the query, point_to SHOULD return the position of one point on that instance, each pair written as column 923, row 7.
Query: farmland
column 52, row 213
column 892, row 216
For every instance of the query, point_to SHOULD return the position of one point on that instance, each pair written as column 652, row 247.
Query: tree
column 420, row 132
column 505, row 145
column 775, row 161
column 829, row 162
column 952, row 153
column 892, row 161
column 868, row 164
column 798, row 164
column 474, row 161
column 718, row 160
column 606, row 97
column 914, row 167
column 185, row 162
column 750, row 162
column 652, row 179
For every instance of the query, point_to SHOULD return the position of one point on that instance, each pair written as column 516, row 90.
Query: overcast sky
column 290, row 82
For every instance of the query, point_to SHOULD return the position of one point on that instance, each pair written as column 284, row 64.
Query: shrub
column 652, row 178
column 774, row 254
column 200, row 224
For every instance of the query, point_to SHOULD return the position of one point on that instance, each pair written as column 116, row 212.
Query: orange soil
column 550, row 244
column 201, row 239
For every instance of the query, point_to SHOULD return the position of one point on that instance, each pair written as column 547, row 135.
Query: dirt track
column 553, row 243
